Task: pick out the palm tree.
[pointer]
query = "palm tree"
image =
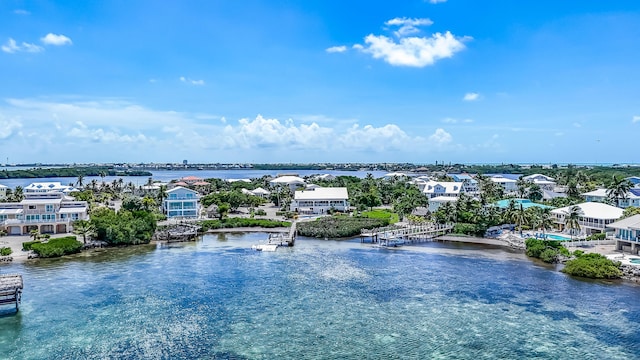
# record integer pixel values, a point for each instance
(162, 194)
(35, 233)
(94, 185)
(543, 219)
(84, 228)
(618, 189)
(18, 194)
(572, 219)
(535, 193)
(523, 186)
(520, 218)
(80, 180)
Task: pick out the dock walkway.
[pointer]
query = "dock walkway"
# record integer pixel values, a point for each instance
(11, 286)
(393, 236)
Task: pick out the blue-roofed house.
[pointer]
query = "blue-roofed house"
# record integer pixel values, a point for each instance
(635, 181)
(182, 203)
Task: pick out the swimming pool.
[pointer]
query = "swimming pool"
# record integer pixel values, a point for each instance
(557, 237)
(634, 260)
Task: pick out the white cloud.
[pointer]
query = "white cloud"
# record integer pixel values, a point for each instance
(408, 26)
(413, 51)
(336, 49)
(559, 133)
(577, 124)
(55, 40)
(456, 121)
(635, 119)
(437, 1)
(191, 81)
(8, 127)
(471, 96)
(11, 47)
(21, 12)
(440, 137)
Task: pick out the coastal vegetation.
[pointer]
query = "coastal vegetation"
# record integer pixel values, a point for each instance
(593, 266)
(548, 251)
(339, 226)
(56, 247)
(5, 251)
(69, 172)
(228, 223)
(125, 227)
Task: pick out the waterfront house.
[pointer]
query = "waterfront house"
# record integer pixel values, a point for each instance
(191, 180)
(3, 192)
(508, 182)
(320, 200)
(433, 189)
(545, 182)
(627, 234)
(469, 184)
(49, 213)
(45, 187)
(436, 202)
(635, 181)
(293, 182)
(595, 217)
(632, 197)
(182, 203)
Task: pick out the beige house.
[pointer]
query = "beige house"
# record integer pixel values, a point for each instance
(49, 213)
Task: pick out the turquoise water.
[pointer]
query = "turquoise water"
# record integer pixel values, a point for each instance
(215, 299)
(634, 260)
(557, 237)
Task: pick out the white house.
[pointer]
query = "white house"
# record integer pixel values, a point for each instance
(600, 195)
(595, 217)
(436, 202)
(320, 200)
(3, 192)
(508, 185)
(45, 187)
(49, 213)
(434, 189)
(324, 177)
(182, 203)
(627, 233)
(545, 182)
(289, 180)
(468, 182)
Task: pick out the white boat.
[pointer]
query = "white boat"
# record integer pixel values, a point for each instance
(264, 247)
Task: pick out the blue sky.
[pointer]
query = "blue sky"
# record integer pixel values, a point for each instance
(320, 81)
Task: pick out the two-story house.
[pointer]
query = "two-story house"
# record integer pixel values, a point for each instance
(632, 198)
(627, 234)
(182, 203)
(320, 200)
(49, 213)
(594, 217)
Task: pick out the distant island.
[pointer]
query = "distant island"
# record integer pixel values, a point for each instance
(70, 171)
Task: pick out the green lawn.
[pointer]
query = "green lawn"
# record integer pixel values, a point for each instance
(382, 214)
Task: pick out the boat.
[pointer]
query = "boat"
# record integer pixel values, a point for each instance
(265, 247)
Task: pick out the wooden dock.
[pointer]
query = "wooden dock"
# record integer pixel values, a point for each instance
(11, 290)
(394, 236)
(276, 240)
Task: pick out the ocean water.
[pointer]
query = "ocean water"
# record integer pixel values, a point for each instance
(217, 299)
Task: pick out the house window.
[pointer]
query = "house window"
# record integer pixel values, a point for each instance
(48, 208)
(3, 217)
(32, 207)
(74, 216)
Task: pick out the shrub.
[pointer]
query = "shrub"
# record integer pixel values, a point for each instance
(549, 255)
(464, 228)
(338, 226)
(26, 246)
(593, 266)
(5, 251)
(57, 247)
(260, 212)
(578, 253)
(545, 250)
(598, 236)
(229, 223)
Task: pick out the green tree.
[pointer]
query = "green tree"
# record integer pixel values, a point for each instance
(80, 181)
(572, 189)
(18, 194)
(84, 228)
(535, 193)
(35, 234)
(618, 189)
(572, 219)
(148, 203)
(630, 211)
(520, 218)
(223, 210)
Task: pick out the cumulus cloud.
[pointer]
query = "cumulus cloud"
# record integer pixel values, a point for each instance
(635, 119)
(440, 137)
(413, 51)
(336, 49)
(407, 26)
(55, 39)
(191, 81)
(104, 136)
(11, 47)
(8, 127)
(577, 124)
(21, 12)
(437, 1)
(472, 96)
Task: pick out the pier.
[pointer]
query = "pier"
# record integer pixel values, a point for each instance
(394, 236)
(11, 290)
(178, 232)
(276, 240)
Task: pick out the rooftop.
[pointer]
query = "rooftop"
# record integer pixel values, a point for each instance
(339, 193)
(594, 210)
(632, 222)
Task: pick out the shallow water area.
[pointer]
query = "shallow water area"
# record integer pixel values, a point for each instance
(217, 298)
